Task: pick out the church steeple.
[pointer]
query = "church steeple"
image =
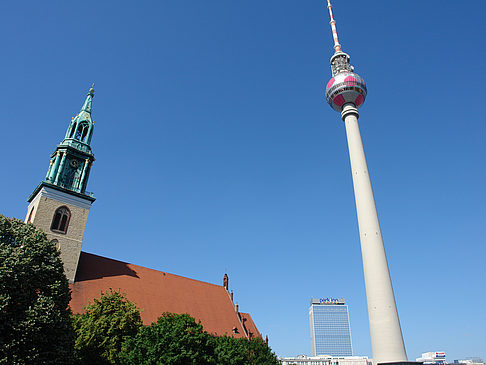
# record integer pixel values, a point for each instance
(60, 204)
(71, 162)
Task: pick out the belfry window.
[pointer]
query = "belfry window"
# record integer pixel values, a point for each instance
(82, 132)
(60, 221)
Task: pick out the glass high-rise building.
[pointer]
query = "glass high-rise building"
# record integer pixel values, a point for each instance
(330, 331)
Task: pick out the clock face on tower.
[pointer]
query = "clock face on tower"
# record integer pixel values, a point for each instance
(71, 174)
(74, 163)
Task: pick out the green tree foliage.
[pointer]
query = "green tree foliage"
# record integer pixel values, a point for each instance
(259, 353)
(175, 339)
(35, 322)
(111, 332)
(240, 351)
(106, 324)
(230, 351)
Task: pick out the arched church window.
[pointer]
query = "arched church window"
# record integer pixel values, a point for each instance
(60, 221)
(82, 132)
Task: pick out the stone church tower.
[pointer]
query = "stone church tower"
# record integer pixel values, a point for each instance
(60, 204)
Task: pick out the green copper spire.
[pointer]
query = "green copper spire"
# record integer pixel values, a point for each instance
(71, 162)
(81, 127)
(89, 99)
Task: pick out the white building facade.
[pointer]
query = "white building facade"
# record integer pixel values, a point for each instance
(433, 357)
(325, 360)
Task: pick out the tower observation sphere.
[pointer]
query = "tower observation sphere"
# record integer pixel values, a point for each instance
(345, 86)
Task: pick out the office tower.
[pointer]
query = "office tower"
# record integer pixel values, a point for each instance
(330, 332)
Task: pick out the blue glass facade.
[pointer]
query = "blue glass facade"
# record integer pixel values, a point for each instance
(330, 332)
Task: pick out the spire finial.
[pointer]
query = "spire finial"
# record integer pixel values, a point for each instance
(337, 46)
(226, 281)
(91, 90)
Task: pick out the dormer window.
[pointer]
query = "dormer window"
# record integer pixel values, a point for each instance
(60, 221)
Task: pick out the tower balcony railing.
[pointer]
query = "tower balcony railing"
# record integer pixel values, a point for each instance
(70, 187)
(71, 142)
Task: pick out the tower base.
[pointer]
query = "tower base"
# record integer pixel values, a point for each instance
(45, 202)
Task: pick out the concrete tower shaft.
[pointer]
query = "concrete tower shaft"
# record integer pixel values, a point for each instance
(345, 92)
(386, 334)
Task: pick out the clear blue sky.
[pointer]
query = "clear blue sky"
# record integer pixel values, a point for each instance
(216, 150)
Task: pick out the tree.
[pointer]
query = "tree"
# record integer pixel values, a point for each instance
(230, 351)
(259, 353)
(240, 351)
(35, 322)
(106, 324)
(175, 339)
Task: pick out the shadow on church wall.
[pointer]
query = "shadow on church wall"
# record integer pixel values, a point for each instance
(93, 267)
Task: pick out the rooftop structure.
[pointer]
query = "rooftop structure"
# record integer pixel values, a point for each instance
(433, 357)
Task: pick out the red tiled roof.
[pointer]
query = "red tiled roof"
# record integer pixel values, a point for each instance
(156, 292)
(249, 325)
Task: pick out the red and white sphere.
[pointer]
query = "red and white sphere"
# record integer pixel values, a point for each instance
(345, 87)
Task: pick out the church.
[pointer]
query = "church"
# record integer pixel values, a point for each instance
(59, 206)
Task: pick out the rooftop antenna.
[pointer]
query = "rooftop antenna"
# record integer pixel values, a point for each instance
(337, 46)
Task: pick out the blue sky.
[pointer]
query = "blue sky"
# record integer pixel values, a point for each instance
(216, 150)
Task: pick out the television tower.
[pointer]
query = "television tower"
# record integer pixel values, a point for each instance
(345, 93)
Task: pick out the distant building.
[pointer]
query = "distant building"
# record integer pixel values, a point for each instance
(470, 361)
(433, 357)
(330, 331)
(325, 360)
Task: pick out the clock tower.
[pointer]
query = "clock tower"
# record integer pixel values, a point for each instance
(60, 204)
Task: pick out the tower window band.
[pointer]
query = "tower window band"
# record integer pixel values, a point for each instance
(60, 221)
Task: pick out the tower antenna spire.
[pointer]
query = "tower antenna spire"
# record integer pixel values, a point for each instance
(337, 46)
